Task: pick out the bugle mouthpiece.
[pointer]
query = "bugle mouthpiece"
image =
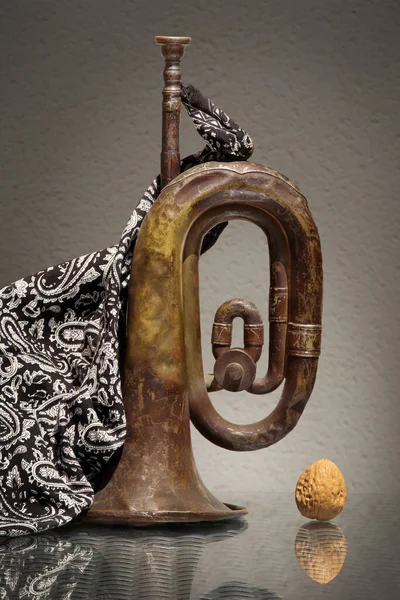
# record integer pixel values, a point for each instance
(166, 40)
(172, 50)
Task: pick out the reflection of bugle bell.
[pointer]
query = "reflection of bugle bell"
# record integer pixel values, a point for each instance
(164, 384)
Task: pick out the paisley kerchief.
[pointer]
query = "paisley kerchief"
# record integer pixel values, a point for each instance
(62, 334)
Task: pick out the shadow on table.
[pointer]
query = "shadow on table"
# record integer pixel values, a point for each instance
(238, 590)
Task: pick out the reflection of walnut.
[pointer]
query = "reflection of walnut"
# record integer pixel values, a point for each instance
(321, 550)
(321, 491)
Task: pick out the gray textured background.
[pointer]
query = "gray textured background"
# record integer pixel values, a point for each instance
(316, 84)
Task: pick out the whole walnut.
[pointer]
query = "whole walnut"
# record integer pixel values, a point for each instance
(321, 491)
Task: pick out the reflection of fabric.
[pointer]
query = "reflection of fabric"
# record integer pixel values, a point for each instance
(104, 563)
(61, 340)
(42, 567)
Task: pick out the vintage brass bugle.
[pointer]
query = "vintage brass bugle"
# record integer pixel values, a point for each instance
(164, 386)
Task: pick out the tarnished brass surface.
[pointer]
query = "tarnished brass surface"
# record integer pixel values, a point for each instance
(235, 368)
(156, 478)
(164, 386)
(262, 196)
(172, 50)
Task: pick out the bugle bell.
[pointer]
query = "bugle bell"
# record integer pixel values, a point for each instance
(156, 479)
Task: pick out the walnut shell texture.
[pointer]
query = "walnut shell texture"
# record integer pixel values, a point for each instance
(321, 491)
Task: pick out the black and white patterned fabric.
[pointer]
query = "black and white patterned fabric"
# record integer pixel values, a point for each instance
(61, 345)
(47, 566)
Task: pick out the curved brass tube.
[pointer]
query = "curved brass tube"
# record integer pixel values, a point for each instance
(156, 478)
(263, 197)
(278, 309)
(166, 301)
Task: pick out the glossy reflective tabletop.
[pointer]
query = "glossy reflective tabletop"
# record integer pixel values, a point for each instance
(272, 553)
